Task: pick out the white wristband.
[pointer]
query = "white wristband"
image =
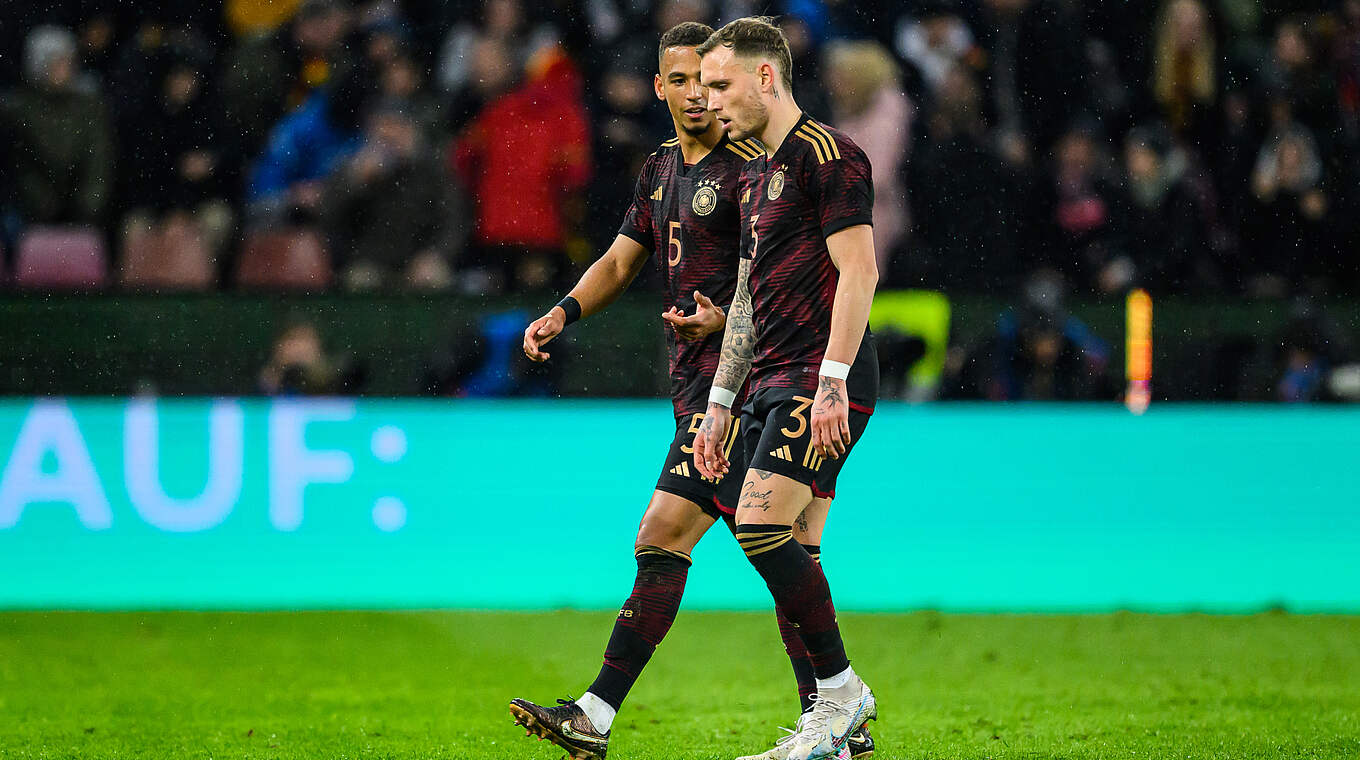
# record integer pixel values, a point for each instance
(721, 397)
(838, 370)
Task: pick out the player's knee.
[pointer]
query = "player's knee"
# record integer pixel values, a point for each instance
(663, 532)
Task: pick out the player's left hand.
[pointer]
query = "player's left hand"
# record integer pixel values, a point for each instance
(541, 331)
(707, 319)
(831, 418)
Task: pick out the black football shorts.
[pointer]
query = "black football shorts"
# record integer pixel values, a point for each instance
(777, 437)
(679, 476)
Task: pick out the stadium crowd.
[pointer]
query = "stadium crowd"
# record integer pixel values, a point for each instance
(1185, 146)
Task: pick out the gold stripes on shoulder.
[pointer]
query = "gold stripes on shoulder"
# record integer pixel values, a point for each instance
(820, 140)
(747, 149)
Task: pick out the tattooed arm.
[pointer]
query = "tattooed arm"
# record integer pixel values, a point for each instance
(738, 349)
(739, 340)
(852, 251)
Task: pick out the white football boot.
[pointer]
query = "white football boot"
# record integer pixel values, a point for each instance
(824, 731)
(782, 745)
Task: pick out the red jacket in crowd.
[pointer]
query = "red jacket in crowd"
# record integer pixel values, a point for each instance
(524, 154)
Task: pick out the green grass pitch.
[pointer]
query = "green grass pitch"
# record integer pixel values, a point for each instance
(435, 685)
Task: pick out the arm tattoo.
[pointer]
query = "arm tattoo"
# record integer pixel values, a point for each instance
(833, 398)
(802, 521)
(739, 341)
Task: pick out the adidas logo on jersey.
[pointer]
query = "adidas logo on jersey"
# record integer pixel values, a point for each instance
(656, 196)
(783, 452)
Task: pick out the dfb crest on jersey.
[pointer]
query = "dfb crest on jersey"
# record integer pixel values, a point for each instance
(776, 187)
(705, 198)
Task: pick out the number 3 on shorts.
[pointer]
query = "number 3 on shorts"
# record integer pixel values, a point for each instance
(798, 414)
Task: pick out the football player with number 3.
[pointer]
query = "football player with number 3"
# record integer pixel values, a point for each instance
(799, 324)
(685, 212)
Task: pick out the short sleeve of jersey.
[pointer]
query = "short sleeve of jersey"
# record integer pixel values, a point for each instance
(637, 223)
(842, 190)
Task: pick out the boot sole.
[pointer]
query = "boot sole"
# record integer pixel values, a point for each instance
(532, 726)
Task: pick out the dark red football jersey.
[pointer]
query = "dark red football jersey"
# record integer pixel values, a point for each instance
(688, 215)
(815, 185)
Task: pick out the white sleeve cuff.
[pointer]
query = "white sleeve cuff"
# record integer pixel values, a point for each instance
(838, 370)
(721, 397)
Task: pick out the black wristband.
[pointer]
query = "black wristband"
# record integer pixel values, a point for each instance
(572, 307)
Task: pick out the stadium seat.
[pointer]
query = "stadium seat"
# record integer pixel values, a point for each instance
(284, 259)
(166, 260)
(61, 258)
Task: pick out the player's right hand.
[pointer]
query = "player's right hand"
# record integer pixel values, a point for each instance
(541, 331)
(708, 442)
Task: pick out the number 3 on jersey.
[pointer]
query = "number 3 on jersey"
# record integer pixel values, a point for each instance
(755, 237)
(675, 253)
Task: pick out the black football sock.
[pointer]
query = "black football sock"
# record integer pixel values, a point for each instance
(643, 621)
(800, 591)
(797, 651)
(799, 659)
(788, 632)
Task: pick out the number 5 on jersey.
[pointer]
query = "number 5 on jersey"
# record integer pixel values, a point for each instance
(674, 244)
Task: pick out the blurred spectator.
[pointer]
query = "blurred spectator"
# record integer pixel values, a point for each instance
(401, 78)
(1083, 204)
(967, 205)
(1171, 224)
(1233, 157)
(1288, 226)
(298, 365)
(627, 125)
(180, 184)
(934, 40)
(803, 46)
(266, 77)
(1038, 353)
(1033, 76)
(286, 181)
(524, 159)
(462, 70)
(98, 36)
(1185, 75)
(58, 134)
(1298, 80)
(1308, 348)
(391, 215)
(868, 104)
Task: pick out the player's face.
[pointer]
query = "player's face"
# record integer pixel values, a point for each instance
(734, 93)
(678, 85)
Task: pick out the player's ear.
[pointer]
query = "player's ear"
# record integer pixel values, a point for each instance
(656, 87)
(766, 72)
